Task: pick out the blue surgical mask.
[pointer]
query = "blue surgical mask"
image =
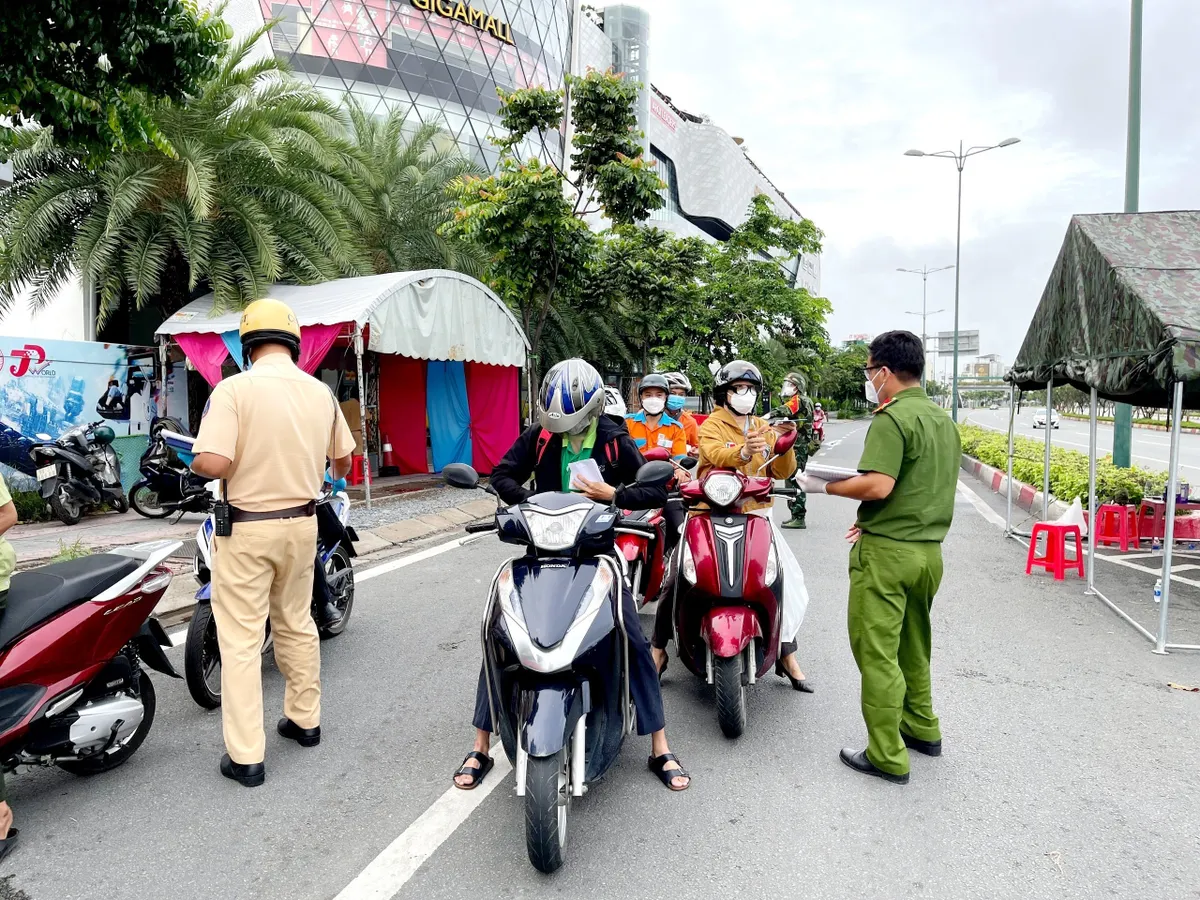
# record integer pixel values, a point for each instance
(676, 403)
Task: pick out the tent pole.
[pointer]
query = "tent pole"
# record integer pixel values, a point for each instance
(1046, 468)
(1160, 642)
(162, 375)
(1012, 412)
(362, 412)
(1092, 521)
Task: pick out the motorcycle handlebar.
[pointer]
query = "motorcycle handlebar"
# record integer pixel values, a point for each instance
(785, 492)
(480, 527)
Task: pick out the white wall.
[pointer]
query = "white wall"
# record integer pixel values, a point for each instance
(65, 318)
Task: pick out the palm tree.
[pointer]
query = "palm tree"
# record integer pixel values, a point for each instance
(407, 172)
(252, 182)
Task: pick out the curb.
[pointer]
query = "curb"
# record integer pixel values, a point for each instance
(1185, 429)
(1026, 496)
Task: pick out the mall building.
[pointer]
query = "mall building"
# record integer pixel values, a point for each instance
(443, 61)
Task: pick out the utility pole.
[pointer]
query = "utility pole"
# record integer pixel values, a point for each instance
(1123, 412)
(924, 272)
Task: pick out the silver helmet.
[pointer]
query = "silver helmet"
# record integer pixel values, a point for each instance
(679, 380)
(614, 403)
(572, 396)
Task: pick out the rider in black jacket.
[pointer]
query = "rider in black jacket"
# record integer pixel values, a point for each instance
(572, 405)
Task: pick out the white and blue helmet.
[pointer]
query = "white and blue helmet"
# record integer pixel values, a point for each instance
(572, 396)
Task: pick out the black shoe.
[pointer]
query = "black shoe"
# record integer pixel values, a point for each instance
(328, 615)
(9, 843)
(305, 737)
(857, 760)
(929, 748)
(248, 775)
(798, 684)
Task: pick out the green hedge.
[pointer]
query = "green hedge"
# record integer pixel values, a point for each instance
(1068, 468)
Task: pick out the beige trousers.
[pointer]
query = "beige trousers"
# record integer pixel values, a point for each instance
(265, 567)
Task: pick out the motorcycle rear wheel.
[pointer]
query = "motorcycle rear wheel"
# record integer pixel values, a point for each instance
(202, 658)
(104, 762)
(66, 508)
(547, 800)
(144, 500)
(344, 599)
(731, 695)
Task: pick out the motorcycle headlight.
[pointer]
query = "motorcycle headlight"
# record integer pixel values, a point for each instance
(722, 488)
(772, 569)
(556, 531)
(688, 565)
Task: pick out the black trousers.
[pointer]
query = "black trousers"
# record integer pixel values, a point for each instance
(643, 678)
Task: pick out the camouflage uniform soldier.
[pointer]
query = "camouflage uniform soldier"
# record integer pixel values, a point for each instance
(800, 406)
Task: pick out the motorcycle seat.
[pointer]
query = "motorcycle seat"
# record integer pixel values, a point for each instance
(42, 593)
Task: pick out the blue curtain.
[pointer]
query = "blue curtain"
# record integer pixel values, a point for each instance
(449, 413)
(233, 343)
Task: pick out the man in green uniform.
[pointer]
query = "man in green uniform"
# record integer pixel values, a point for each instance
(909, 473)
(800, 407)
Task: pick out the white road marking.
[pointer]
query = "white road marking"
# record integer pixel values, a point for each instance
(390, 870)
(980, 506)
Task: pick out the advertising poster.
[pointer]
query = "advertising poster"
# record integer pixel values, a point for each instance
(47, 387)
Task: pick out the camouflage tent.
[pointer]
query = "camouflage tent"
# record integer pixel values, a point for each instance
(1121, 311)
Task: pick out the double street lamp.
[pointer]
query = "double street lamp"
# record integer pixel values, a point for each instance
(924, 272)
(960, 158)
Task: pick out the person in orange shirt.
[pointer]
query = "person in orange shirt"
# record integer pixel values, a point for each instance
(680, 388)
(651, 427)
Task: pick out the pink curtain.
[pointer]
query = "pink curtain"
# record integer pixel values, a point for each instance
(207, 353)
(315, 341)
(495, 416)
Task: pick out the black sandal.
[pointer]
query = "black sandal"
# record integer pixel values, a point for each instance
(665, 775)
(663, 670)
(477, 774)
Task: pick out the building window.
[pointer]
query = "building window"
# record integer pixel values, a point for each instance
(665, 169)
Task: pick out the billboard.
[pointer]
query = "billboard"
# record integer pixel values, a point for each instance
(968, 343)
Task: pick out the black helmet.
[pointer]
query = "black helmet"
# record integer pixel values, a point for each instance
(654, 381)
(738, 370)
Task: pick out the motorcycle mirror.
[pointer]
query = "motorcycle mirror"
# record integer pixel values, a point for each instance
(785, 442)
(656, 473)
(689, 463)
(460, 475)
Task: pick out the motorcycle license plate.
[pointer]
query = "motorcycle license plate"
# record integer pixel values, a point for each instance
(45, 473)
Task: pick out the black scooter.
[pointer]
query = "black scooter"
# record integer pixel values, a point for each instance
(79, 471)
(555, 651)
(168, 485)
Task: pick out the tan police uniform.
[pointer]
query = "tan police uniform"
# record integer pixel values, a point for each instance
(278, 425)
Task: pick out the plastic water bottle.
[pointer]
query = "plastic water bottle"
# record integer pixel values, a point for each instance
(1158, 591)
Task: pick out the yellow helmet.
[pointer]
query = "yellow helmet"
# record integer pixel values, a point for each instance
(270, 321)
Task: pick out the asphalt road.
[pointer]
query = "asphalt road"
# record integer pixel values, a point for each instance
(1150, 449)
(1069, 770)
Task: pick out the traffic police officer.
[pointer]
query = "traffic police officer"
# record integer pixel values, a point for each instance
(909, 474)
(267, 433)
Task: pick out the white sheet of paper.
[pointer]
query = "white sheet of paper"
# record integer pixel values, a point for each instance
(829, 473)
(585, 468)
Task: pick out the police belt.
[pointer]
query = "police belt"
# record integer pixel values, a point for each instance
(292, 512)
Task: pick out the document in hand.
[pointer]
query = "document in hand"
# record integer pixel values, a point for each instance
(829, 473)
(584, 468)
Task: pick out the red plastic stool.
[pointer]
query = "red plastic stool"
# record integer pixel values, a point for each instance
(1116, 524)
(1055, 560)
(356, 470)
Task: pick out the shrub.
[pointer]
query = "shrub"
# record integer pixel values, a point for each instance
(1068, 468)
(30, 507)
(67, 552)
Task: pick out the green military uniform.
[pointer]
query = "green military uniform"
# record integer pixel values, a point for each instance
(804, 423)
(896, 568)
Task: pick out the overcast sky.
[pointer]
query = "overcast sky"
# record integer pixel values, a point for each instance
(829, 95)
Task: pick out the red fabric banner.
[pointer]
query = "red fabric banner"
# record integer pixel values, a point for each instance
(315, 341)
(492, 396)
(207, 353)
(402, 411)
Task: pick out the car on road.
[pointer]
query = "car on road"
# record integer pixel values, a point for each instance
(993, 406)
(1039, 421)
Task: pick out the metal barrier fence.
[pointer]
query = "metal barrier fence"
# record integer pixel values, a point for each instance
(129, 451)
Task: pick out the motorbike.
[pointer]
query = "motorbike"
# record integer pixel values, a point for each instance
(168, 485)
(819, 425)
(642, 538)
(335, 549)
(555, 651)
(729, 592)
(74, 643)
(79, 471)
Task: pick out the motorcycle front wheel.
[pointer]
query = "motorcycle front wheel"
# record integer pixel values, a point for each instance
(103, 762)
(202, 658)
(547, 800)
(731, 695)
(144, 500)
(66, 508)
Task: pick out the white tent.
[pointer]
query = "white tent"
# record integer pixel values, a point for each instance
(434, 314)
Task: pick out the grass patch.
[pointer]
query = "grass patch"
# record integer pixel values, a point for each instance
(67, 552)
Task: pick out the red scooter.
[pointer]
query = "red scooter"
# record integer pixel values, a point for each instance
(641, 539)
(819, 425)
(729, 592)
(73, 641)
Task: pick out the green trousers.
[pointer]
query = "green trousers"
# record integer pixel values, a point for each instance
(892, 584)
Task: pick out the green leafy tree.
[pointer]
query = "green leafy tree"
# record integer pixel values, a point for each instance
(261, 188)
(842, 376)
(91, 71)
(529, 216)
(408, 174)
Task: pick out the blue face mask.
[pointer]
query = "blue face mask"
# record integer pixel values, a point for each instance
(676, 403)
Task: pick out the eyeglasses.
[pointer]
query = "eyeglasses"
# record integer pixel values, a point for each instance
(867, 370)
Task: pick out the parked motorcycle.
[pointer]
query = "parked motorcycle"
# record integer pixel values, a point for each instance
(555, 651)
(73, 643)
(642, 538)
(168, 484)
(729, 593)
(79, 471)
(335, 549)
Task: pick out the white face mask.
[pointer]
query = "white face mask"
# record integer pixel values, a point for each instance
(872, 392)
(581, 428)
(653, 405)
(743, 404)
(789, 390)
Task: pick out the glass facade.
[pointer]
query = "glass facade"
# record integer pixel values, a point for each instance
(437, 60)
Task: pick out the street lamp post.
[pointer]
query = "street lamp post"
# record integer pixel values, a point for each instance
(925, 272)
(960, 159)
